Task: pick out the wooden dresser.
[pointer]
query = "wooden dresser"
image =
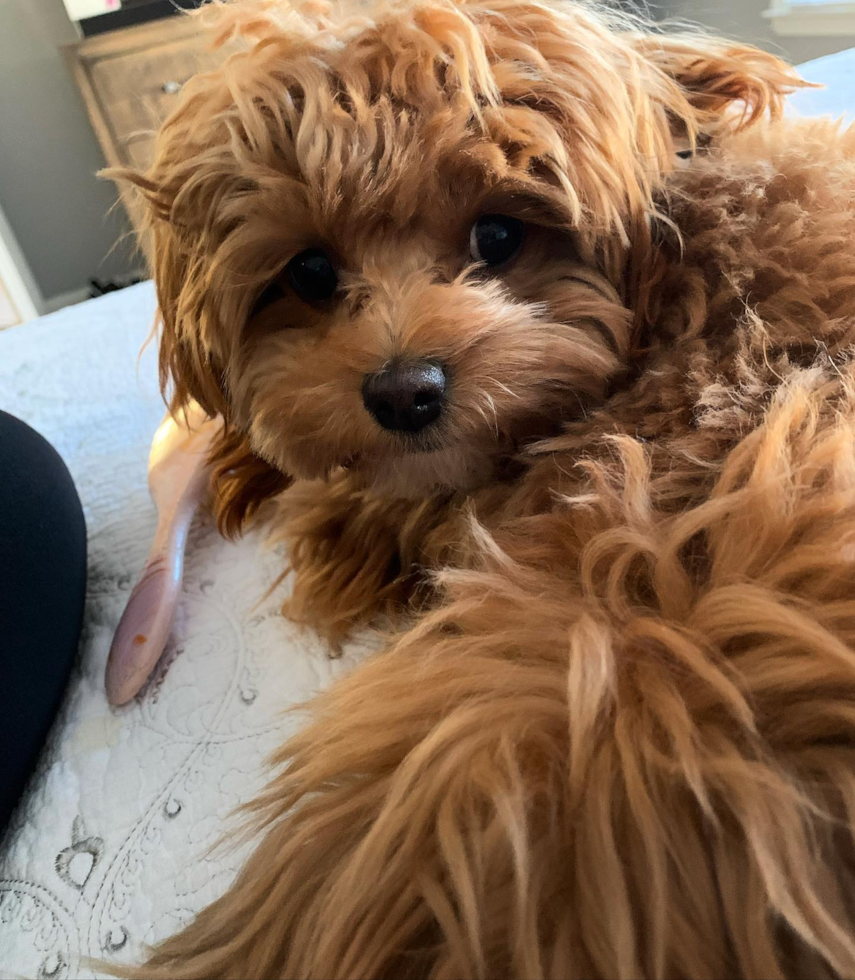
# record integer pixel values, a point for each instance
(130, 79)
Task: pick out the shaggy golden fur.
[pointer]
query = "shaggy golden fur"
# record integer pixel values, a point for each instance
(615, 735)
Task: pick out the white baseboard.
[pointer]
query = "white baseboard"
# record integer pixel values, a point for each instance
(74, 296)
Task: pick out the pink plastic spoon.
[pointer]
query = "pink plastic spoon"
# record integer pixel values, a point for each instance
(177, 479)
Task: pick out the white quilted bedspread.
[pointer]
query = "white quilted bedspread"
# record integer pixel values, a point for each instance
(108, 851)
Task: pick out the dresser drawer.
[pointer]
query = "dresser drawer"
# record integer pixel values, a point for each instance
(130, 81)
(138, 90)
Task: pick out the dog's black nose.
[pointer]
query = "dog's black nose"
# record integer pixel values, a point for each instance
(406, 396)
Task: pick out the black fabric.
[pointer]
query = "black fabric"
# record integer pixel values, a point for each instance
(42, 589)
(140, 12)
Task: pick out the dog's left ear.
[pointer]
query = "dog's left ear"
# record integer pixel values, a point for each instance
(716, 87)
(727, 85)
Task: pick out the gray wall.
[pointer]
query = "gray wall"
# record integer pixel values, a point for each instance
(743, 19)
(48, 156)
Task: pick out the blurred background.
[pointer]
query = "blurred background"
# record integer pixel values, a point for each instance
(83, 82)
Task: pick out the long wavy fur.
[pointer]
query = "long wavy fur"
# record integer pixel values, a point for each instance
(616, 735)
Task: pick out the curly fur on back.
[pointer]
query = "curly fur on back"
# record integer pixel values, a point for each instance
(618, 740)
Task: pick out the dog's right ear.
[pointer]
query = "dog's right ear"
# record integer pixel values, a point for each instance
(188, 367)
(180, 202)
(190, 202)
(189, 370)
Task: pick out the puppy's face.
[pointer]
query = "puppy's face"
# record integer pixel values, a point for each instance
(420, 349)
(410, 245)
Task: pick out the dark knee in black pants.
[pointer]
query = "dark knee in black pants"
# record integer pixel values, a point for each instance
(42, 591)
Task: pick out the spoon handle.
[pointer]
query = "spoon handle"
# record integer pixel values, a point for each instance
(147, 620)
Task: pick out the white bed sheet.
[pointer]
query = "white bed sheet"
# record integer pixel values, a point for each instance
(836, 72)
(108, 851)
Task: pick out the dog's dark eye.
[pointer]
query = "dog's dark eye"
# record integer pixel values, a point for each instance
(495, 238)
(312, 275)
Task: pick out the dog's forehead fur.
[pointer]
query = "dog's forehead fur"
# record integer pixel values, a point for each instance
(334, 119)
(382, 118)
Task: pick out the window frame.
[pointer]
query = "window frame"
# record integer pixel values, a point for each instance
(832, 19)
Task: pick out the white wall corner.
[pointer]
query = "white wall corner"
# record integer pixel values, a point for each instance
(17, 278)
